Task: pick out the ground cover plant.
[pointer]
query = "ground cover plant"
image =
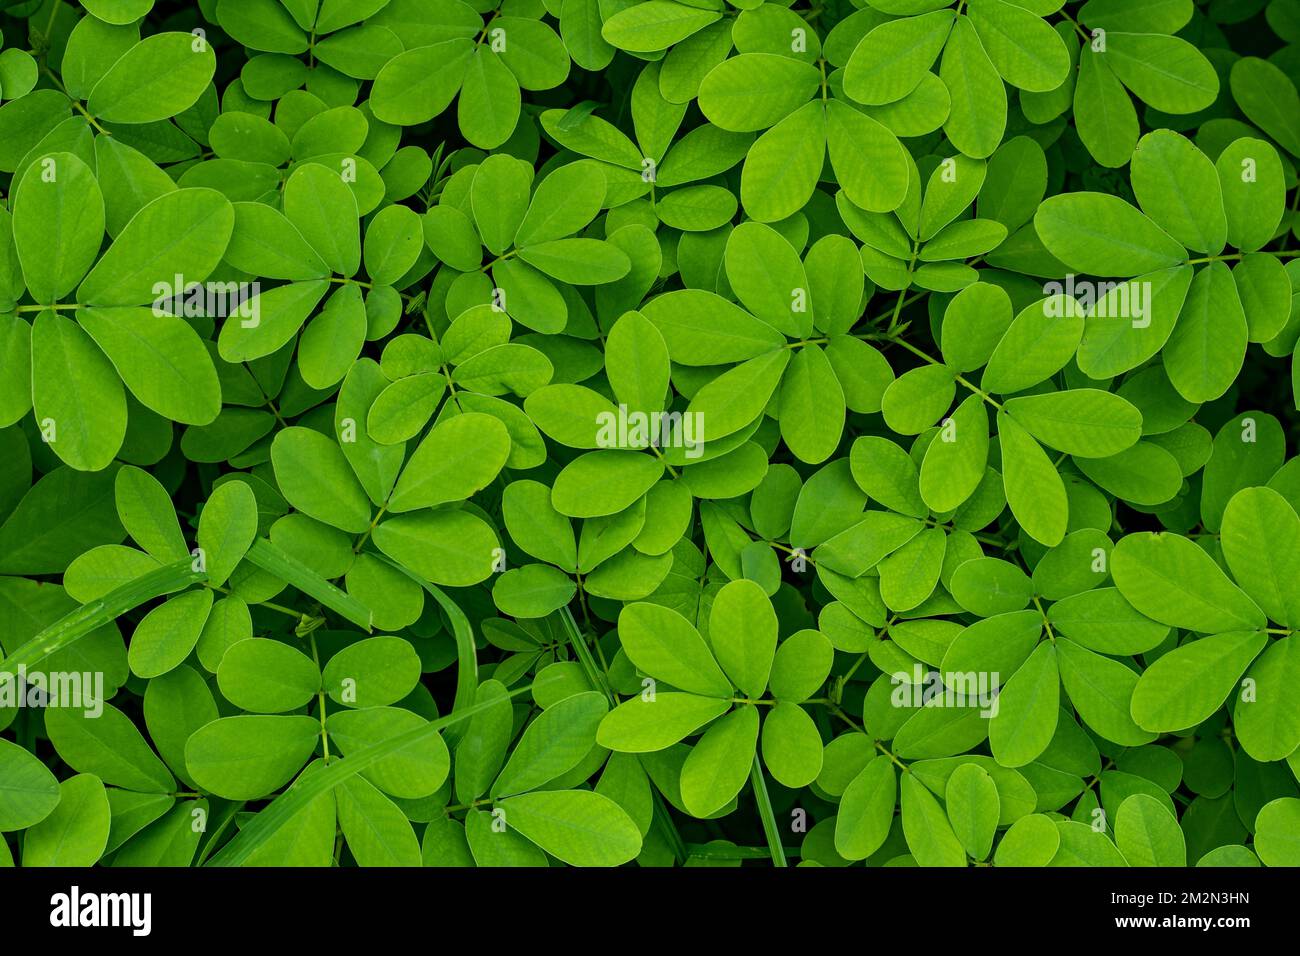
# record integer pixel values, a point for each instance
(578, 432)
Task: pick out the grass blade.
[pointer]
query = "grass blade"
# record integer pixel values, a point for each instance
(288, 568)
(583, 652)
(88, 618)
(765, 811)
(466, 651)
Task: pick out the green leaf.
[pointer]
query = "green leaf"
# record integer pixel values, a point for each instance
(955, 461)
(1081, 845)
(1254, 197)
(58, 224)
(315, 478)
(801, 665)
(1148, 834)
(738, 396)
(753, 91)
(160, 358)
(1145, 474)
(30, 792)
(415, 86)
(978, 117)
(536, 526)
(867, 158)
(916, 399)
(166, 635)
(263, 25)
(654, 25)
(264, 242)
(1026, 51)
(926, 828)
(792, 745)
(76, 833)
(603, 483)
(553, 744)
(157, 78)
(376, 831)
(489, 105)
(534, 590)
(393, 242)
(564, 202)
(147, 514)
(1101, 690)
(250, 757)
(892, 59)
(766, 275)
(227, 527)
(1038, 343)
(718, 765)
(459, 457)
(1103, 112)
(1189, 683)
(782, 167)
(640, 725)
(1166, 72)
(665, 645)
(578, 261)
(267, 677)
(1104, 235)
(321, 206)
(276, 315)
(1266, 721)
(866, 810)
(1171, 580)
(886, 473)
(481, 749)
(451, 548)
(109, 746)
(1275, 832)
(499, 199)
(1084, 422)
(973, 809)
(1178, 187)
(579, 827)
(1116, 338)
(1208, 345)
(1034, 490)
(1267, 96)
(1260, 534)
(742, 632)
(373, 672)
(181, 233)
(1031, 841)
(973, 323)
(702, 328)
(1028, 706)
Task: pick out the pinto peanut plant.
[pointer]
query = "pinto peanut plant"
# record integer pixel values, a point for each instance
(672, 432)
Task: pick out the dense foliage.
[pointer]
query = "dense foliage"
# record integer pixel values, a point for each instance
(524, 432)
